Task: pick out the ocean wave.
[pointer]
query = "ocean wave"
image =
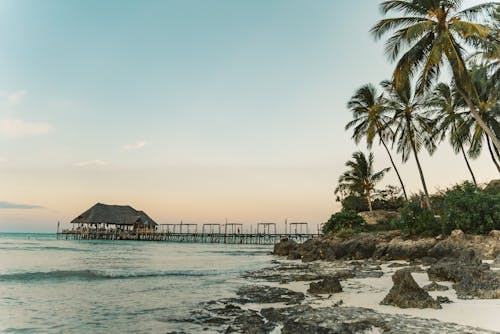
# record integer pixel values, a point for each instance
(90, 275)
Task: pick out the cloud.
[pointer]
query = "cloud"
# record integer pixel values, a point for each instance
(91, 163)
(14, 97)
(17, 128)
(136, 146)
(9, 205)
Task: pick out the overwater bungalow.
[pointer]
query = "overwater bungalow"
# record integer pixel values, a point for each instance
(115, 219)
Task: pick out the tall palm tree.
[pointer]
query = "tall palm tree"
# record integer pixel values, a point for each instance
(413, 129)
(371, 120)
(488, 89)
(435, 31)
(450, 120)
(360, 179)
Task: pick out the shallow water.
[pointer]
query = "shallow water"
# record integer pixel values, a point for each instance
(70, 286)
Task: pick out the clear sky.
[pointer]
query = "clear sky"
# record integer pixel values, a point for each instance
(191, 109)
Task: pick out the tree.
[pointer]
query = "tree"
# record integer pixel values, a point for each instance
(413, 129)
(488, 93)
(371, 120)
(360, 179)
(435, 31)
(450, 120)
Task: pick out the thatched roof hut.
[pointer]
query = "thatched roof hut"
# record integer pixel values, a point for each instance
(114, 215)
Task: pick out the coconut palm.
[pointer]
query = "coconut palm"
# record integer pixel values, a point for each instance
(360, 179)
(371, 120)
(450, 119)
(488, 89)
(432, 32)
(412, 128)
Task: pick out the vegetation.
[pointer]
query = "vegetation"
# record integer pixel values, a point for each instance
(359, 179)
(344, 220)
(427, 36)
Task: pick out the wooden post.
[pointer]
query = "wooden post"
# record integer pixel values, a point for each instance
(58, 223)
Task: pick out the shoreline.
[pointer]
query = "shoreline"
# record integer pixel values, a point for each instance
(276, 300)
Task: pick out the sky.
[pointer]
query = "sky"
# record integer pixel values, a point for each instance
(190, 110)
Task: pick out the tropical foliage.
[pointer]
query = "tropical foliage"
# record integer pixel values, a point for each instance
(360, 179)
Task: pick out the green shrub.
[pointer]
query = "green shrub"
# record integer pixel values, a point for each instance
(470, 209)
(344, 220)
(354, 203)
(414, 219)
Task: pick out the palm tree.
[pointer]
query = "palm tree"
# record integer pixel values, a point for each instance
(488, 89)
(371, 120)
(450, 120)
(360, 179)
(412, 127)
(434, 31)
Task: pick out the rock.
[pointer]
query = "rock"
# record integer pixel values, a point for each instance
(375, 216)
(407, 294)
(253, 324)
(494, 234)
(266, 294)
(284, 247)
(399, 249)
(294, 255)
(443, 300)
(472, 278)
(435, 287)
(328, 285)
(457, 234)
(397, 265)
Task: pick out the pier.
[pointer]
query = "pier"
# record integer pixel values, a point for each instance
(183, 237)
(118, 222)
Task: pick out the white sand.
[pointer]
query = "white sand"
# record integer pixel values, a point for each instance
(368, 292)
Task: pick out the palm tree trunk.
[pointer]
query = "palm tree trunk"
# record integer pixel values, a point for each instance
(479, 120)
(491, 153)
(395, 169)
(369, 199)
(414, 148)
(468, 165)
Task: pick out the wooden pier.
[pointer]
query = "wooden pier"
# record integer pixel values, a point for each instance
(122, 222)
(186, 237)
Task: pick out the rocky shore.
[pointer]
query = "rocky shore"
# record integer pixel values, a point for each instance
(368, 283)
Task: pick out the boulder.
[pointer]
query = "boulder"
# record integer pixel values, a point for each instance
(407, 294)
(435, 287)
(472, 278)
(284, 247)
(399, 249)
(328, 285)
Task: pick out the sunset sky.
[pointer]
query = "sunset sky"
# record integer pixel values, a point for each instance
(192, 109)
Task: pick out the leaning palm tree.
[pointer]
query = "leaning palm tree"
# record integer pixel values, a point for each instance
(488, 89)
(450, 120)
(413, 129)
(360, 179)
(371, 120)
(432, 32)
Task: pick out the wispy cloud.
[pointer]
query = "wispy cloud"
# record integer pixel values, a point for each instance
(91, 163)
(16, 128)
(135, 146)
(13, 97)
(9, 205)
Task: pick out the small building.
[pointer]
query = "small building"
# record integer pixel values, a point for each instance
(104, 217)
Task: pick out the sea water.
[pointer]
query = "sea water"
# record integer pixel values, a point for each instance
(81, 286)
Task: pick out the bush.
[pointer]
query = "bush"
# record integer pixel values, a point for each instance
(344, 220)
(470, 209)
(414, 219)
(354, 203)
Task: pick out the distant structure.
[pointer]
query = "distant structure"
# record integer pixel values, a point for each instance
(122, 222)
(103, 217)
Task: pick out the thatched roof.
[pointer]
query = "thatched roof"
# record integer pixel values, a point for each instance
(113, 214)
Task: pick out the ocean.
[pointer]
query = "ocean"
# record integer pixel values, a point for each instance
(73, 286)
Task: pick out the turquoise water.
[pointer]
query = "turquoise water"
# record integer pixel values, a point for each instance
(69, 286)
